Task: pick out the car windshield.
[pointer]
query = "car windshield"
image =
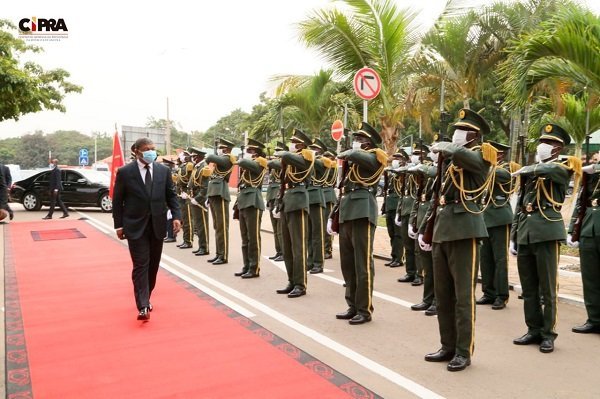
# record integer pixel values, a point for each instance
(95, 176)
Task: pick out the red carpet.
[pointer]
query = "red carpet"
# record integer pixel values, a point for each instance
(71, 332)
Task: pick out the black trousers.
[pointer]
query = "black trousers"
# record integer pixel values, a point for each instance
(145, 254)
(54, 200)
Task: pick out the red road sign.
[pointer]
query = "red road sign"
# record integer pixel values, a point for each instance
(367, 83)
(337, 130)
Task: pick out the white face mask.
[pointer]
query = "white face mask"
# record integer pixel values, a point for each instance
(181, 157)
(247, 155)
(544, 151)
(219, 151)
(292, 147)
(395, 164)
(459, 137)
(356, 145)
(415, 159)
(433, 156)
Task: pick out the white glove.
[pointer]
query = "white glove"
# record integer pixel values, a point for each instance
(329, 230)
(570, 242)
(184, 195)
(398, 221)
(589, 169)
(411, 233)
(513, 248)
(194, 202)
(517, 173)
(276, 214)
(206, 203)
(423, 245)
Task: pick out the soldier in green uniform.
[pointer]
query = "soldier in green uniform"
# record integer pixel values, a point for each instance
(250, 204)
(171, 236)
(392, 194)
(183, 178)
(358, 221)
(587, 217)
(274, 167)
(537, 231)
(198, 190)
(297, 165)
(329, 193)
(498, 216)
(316, 213)
(424, 260)
(457, 226)
(219, 198)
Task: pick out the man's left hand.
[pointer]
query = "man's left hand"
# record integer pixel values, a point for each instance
(176, 226)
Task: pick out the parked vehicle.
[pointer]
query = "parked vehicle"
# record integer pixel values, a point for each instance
(81, 188)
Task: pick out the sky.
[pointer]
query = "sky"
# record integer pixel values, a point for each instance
(208, 58)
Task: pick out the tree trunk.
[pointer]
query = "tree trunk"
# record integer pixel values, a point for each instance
(389, 136)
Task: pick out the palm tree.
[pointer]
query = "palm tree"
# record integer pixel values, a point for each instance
(372, 33)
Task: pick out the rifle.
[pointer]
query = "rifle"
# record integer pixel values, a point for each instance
(420, 186)
(335, 213)
(279, 200)
(583, 201)
(386, 179)
(437, 187)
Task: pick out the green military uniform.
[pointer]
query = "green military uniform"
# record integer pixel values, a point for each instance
(457, 228)
(394, 184)
(293, 210)
(317, 216)
(198, 190)
(537, 230)
(330, 198)
(498, 216)
(588, 205)
(274, 167)
(417, 218)
(251, 206)
(358, 221)
(405, 205)
(219, 198)
(183, 178)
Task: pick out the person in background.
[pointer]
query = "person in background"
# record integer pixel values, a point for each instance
(171, 237)
(56, 188)
(8, 183)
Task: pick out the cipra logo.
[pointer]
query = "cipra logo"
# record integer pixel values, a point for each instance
(43, 29)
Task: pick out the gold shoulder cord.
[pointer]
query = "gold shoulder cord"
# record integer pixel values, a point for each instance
(323, 178)
(298, 177)
(549, 196)
(513, 186)
(413, 186)
(221, 174)
(397, 184)
(332, 175)
(247, 178)
(477, 193)
(355, 177)
(185, 177)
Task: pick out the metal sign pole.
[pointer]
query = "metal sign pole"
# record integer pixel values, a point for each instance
(365, 110)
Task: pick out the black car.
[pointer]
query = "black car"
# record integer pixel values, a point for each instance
(81, 188)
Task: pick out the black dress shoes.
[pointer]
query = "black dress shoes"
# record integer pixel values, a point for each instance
(150, 307)
(441, 355)
(274, 256)
(458, 363)
(201, 252)
(389, 263)
(485, 300)
(316, 270)
(239, 274)
(249, 275)
(297, 292)
(406, 279)
(347, 315)
(278, 259)
(211, 260)
(65, 215)
(547, 345)
(586, 328)
(286, 290)
(498, 304)
(328, 256)
(420, 306)
(169, 239)
(144, 314)
(178, 245)
(395, 264)
(47, 217)
(527, 339)
(417, 281)
(219, 261)
(185, 245)
(431, 311)
(359, 319)
(195, 251)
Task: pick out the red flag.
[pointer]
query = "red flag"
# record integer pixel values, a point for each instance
(117, 162)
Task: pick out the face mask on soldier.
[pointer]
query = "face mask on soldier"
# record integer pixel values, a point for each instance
(433, 156)
(219, 151)
(415, 159)
(395, 164)
(292, 147)
(247, 155)
(356, 145)
(459, 137)
(544, 151)
(181, 157)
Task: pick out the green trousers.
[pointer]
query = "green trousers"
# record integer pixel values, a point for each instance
(250, 219)
(219, 209)
(424, 262)
(395, 234)
(187, 227)
(276, 232)
(328, 238)
(316, 233)
(200, 223)
(454, 266)
(294, 240)
(409, 249)
(494, 263)
(538, 267)
(356, 258)
(589, 252)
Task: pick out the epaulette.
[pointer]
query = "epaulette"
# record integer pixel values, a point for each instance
(308, 155)
(232, 158)
(206, 171)
(575, 164)
(513, 167)
(489, 153)
(189, 167)
(328, 163)
(382, 156)
(261, 161)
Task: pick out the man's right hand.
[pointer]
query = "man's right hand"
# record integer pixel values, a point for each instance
(120, 234)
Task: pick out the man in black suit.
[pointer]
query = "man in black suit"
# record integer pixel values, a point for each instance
(7, 182)
(55, 190)
(143, 192)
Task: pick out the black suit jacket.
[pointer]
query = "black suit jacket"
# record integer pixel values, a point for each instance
(7, 175)
(133, 208)
(55, 180)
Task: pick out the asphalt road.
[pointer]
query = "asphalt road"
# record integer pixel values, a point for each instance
(386, 355)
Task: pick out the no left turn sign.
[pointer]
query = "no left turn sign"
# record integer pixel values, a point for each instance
(367, 83)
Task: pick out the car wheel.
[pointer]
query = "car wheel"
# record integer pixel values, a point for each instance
(32, 202)
(105, 203)
(379, 191)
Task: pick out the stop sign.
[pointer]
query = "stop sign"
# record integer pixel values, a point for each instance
(337, 130)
